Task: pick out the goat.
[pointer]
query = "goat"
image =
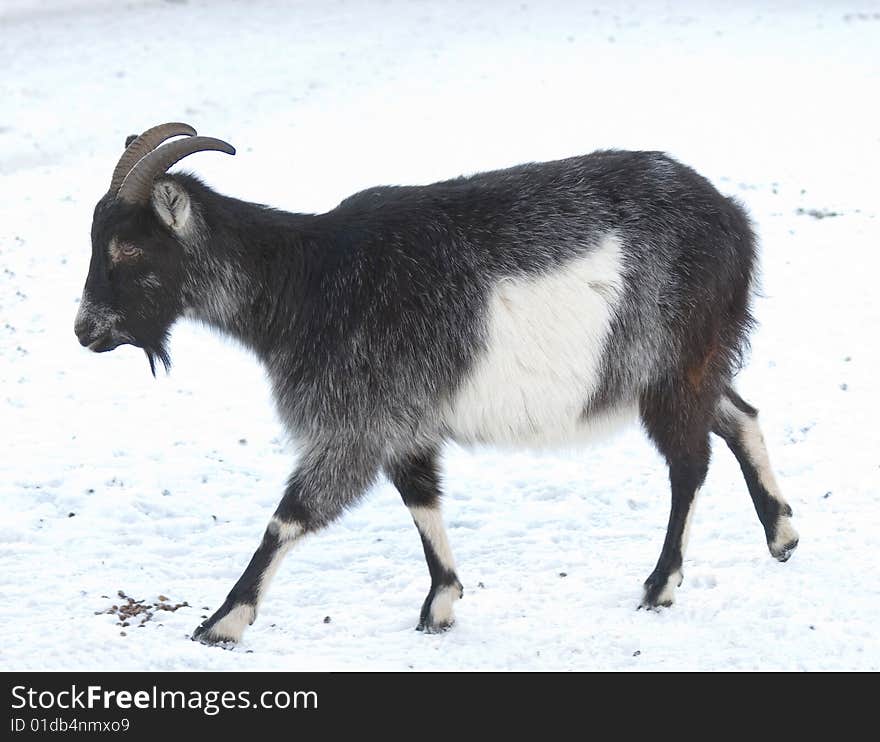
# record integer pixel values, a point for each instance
(530, 306)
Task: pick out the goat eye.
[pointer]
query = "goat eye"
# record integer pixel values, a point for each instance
(129, 251)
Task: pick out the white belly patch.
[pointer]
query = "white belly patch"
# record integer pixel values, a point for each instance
(546, 336)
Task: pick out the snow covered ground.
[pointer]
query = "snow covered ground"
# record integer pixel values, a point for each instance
(112, 481)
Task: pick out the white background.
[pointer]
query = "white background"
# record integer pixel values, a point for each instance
(172, 481)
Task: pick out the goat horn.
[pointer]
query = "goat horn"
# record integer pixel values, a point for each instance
(138, 184)
(144, 144)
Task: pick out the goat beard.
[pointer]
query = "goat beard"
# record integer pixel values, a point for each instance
(158, 352)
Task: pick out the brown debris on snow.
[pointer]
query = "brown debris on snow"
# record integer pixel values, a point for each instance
(138, 612)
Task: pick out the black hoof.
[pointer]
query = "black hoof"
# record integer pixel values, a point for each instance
(656, 594)
(434, 628)
(204, 635)
(654, 605)
(218, 630)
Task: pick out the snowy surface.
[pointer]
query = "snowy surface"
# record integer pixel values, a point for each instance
(111, 481)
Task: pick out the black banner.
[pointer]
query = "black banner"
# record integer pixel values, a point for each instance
(167, 705)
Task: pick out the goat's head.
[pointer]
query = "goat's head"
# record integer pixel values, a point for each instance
(140, 229)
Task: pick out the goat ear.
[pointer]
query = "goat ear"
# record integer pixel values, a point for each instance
(171, 204)
(129, 139)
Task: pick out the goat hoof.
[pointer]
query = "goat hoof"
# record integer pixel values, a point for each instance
(650, 604)
(659, 590)
(784, 540)
(226, 626)
(783, 553)
(437, 614)
(435, 628)
(205, 636)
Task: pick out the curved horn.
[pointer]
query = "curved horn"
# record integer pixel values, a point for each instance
(145, 143)
(138, 183)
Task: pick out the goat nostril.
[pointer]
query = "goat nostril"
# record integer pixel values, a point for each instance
(83, 333)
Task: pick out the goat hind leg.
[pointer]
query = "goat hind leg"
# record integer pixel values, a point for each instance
(681, 433)
(737, 423)
(686, 475)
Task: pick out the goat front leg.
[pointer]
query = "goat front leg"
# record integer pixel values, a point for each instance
(325, 484)
(416, 478)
